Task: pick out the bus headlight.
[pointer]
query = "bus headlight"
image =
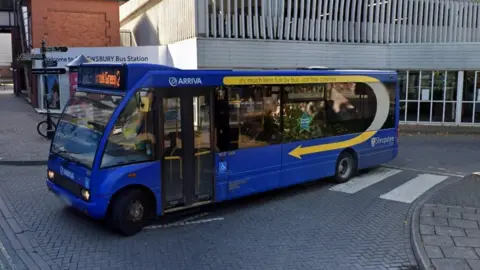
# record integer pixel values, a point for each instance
(50, 175)
(85, 194)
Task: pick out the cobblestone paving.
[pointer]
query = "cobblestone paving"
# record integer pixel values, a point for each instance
(18, 131)
(302, 228)
(451, 236)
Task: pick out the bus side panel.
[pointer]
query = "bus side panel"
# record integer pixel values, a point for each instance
(377, 150)
(253, 170)
(221, 180)
(146, 174)
(311, 165)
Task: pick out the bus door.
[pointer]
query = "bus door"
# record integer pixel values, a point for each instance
(187, 153)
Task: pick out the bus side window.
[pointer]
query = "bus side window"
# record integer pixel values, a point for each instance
(390, 122)
(304, 112)
(222, 127)
(253, 116)
(345, 108)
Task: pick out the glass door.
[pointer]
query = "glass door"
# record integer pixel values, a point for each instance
(187, 160)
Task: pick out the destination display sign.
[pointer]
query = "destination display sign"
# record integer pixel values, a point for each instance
(112, 77)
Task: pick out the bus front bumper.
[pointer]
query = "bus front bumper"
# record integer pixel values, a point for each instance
(95, 208)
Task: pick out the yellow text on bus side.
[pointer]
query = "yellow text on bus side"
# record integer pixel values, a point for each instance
(246, 80)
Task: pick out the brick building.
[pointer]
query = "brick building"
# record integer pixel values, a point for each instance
(71, 23)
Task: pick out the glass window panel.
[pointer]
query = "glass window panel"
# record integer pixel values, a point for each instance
(467, 112)
(450, 112)
(413, 77)
(438, 85)
(476, 112)
(468, 85)
(173, 149)
(425, 85)
(424, 111)
(437, 112)
(304, 111)
(203, 155)
(451, 91)
(254, 115)
(132, 138)
(412, 108)
(402, 111)
(348, 105)
(477, 87)
(402, 83)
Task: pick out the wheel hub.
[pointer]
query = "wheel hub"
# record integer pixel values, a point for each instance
(136, 211)
(343, 167)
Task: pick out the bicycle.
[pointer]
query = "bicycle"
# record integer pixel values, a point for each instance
(42, 127)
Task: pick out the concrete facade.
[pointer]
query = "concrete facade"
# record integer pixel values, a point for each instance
(433, 44)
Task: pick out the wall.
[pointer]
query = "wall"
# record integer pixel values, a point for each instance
(158, 22)
(86, 23)
(183, 54)
(228, 53)
(353, 21)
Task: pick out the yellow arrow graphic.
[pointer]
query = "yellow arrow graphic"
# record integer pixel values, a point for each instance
(301, 151)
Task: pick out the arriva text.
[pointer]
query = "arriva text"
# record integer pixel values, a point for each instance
(66, 173)
(173, 81)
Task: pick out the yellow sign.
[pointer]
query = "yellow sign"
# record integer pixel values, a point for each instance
(249, 80)
(301, 151)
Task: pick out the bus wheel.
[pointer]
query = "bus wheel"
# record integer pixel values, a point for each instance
(346, 167)
(130, 212)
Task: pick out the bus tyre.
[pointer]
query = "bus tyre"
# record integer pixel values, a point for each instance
(130, 212)
(346, 167)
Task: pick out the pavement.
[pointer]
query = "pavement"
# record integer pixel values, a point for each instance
(367, 223)
(446, 231)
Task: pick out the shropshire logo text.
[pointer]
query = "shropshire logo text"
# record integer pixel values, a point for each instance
(379, 141)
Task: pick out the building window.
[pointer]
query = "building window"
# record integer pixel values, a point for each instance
(425, 95)
(402, 84)
(438, 95)
(412, 95)
(450, 96)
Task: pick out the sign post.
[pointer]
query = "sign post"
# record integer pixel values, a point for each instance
(50, 131)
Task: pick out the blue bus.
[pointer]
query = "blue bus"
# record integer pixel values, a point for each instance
(138, 141)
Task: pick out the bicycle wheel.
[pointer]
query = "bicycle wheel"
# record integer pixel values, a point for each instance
(42, 128)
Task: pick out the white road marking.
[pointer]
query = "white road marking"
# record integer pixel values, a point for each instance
(360, 182)
(412, 189)
(183, 223)
(194, 217)
(424, 171)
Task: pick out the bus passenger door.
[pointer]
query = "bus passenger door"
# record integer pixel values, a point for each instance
(187, 160)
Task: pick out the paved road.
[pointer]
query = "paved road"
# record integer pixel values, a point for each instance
(361, 225)
(452, 154)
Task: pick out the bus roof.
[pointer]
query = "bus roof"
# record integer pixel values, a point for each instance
(126, 76)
